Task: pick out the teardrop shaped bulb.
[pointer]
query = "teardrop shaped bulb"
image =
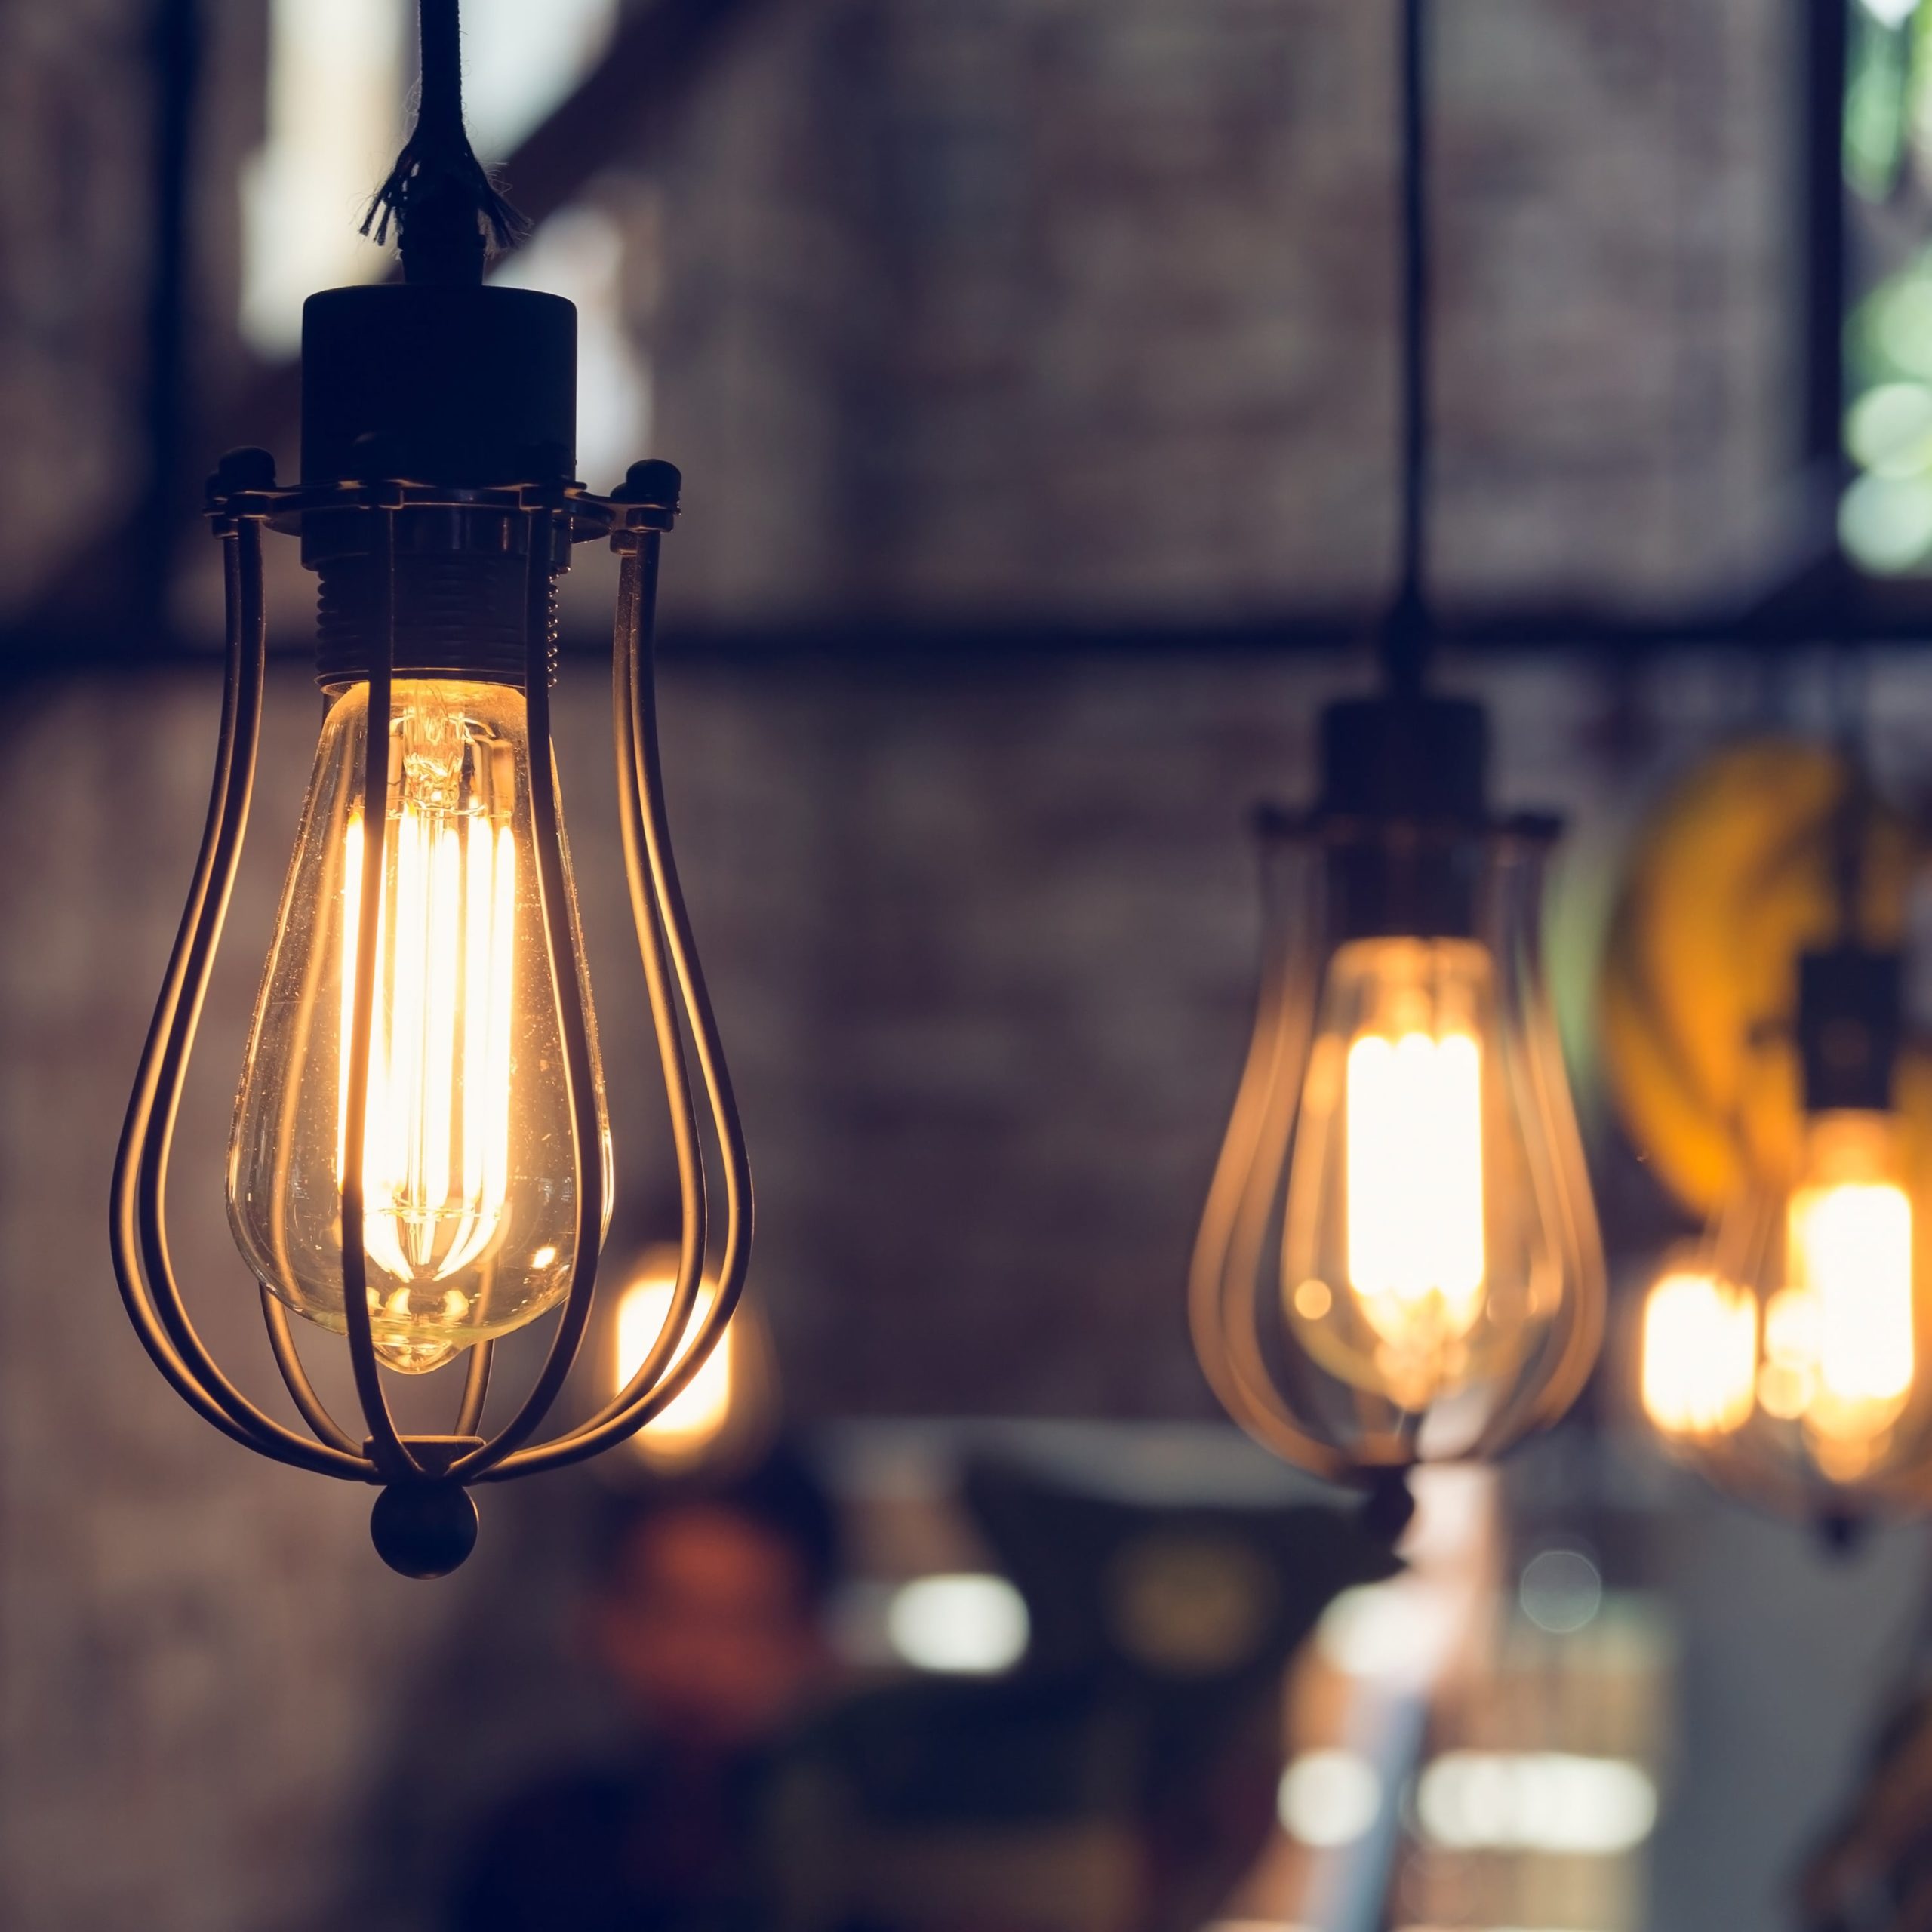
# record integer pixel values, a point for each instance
(469, 1207)
(1419, 1253)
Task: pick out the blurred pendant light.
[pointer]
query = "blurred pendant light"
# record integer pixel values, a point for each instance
(1697, 1355)
(1784, 1357)
(423, 1065)
(1398, 1261)
(727, 1414)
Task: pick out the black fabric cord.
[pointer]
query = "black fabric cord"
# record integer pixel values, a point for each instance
(447, 213)
(1407, 629)
(1856, 817)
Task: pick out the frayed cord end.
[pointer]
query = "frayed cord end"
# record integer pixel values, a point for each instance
(448, 214)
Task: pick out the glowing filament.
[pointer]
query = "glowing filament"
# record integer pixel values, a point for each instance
(435, 1163)
(1851, 1257)
(1700, 1354)
(1415, 1186)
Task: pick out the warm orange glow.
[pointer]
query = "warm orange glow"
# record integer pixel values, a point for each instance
(436, 1147)
(1415, 1251)
(1699, 1354)
(469, 1225)
(1845, 1320)
(691, 1422)
(1415, 1194)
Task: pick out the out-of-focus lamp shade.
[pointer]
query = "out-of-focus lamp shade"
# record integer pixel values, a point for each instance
(1698, 1353)
(1399, 1262)
(1787, 1361)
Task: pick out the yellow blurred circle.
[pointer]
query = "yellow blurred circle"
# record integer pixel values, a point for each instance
(1728, 880)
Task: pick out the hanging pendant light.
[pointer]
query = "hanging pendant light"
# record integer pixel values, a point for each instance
(1784, 1357)
(1398, 1261)
(422, 1067)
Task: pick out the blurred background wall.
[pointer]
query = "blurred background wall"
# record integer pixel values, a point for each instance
(1030, 365)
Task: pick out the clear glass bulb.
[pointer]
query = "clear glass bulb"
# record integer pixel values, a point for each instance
(1398, 1260)
(1418, 1251)
(1699, 1369)
(469, 1194)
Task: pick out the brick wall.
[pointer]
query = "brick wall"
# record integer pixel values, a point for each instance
(1043, 307)
(981, 941)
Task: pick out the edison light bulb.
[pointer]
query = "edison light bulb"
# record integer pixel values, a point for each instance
(1416, 1252)
(470, 1197)
(1398, 1260)
(1794, 1363)
(696, 1415)
(1699, 1354)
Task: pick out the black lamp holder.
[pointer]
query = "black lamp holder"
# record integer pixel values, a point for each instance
(1850, 1026)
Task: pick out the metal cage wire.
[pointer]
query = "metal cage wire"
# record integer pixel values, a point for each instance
(1233, 1257)
(243, 498)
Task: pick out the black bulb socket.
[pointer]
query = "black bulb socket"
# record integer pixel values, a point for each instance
(459, 389)
(1403, 805)
(1850, 1024)
(1421, 759)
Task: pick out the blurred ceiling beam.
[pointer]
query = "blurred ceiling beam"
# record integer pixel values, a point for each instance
(625, 109)
(1868, 613)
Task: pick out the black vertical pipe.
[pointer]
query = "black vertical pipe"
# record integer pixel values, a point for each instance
(174, 45)
(1827, 36)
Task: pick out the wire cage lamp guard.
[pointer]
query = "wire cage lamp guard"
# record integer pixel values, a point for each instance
(1401, 854)
(1238, 1235)
(425, 1521)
